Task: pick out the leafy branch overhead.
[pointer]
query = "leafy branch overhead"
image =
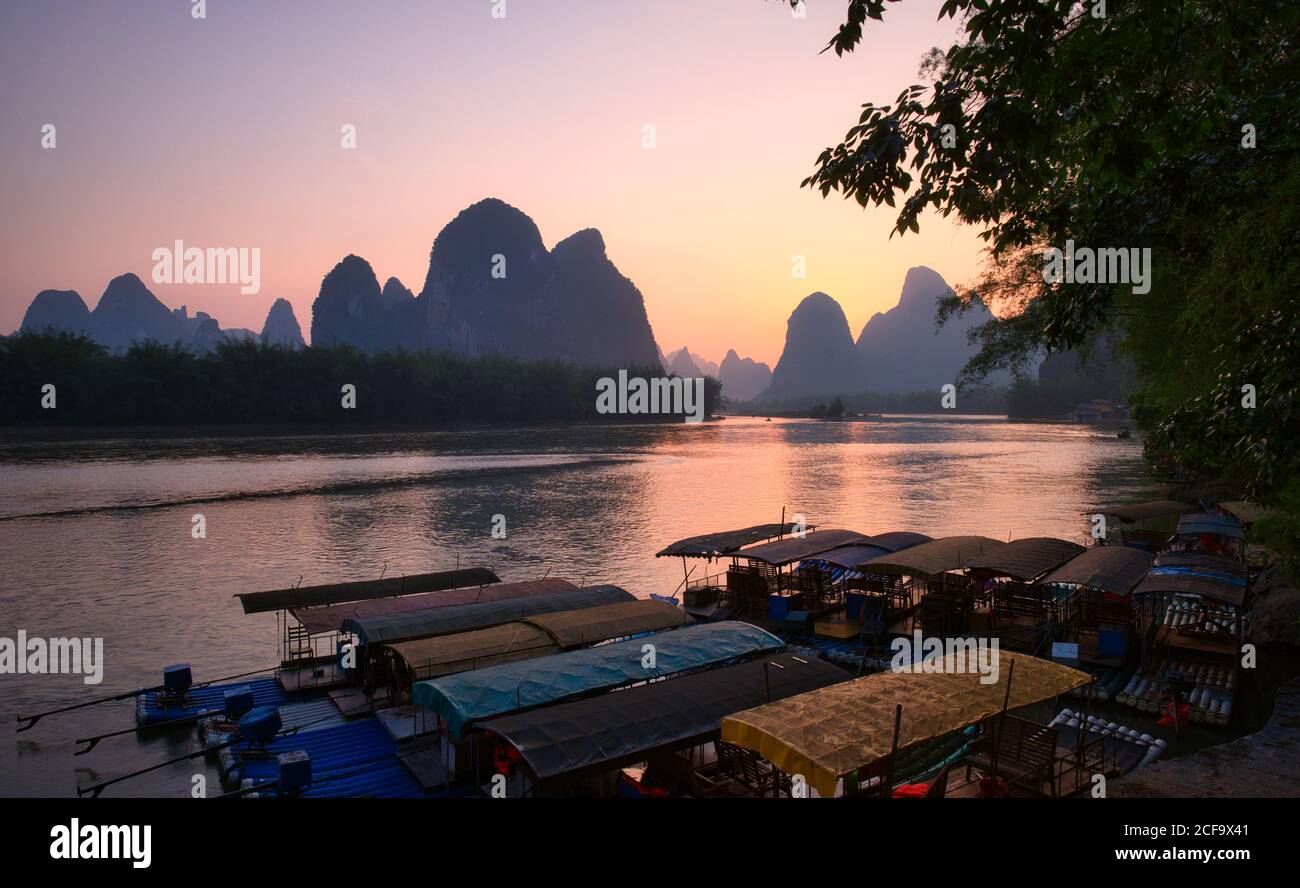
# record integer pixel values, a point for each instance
(1167, 125)
(1048, 123)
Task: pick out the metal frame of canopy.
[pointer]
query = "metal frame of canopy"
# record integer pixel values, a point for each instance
(1013, 568)
(1097, 587)
(702, 597)
(1145, 525)
(886, 598)
(309, 659)
(772, 570)
(1214, 533)
(1197, 601)
(1217, 588)
(943, 598)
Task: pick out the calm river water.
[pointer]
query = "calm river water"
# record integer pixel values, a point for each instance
(96, 536)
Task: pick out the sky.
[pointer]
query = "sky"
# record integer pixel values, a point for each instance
(226, 132)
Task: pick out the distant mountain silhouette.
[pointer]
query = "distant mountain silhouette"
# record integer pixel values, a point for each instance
(704, 365)
(680, 363)
(819, 356)
(58, 310)
(281, 327)
(394, 293)
(493, 288)
(901, 350)
(350, 308)
(128, 313)
(743, 378)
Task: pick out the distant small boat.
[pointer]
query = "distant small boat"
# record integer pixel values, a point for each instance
(1123, 433)
(769, 419)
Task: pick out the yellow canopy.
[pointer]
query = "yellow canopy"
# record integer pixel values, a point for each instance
(828, 733)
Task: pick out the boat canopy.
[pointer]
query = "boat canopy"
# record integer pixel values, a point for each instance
(533, 636)
(444, 654)
(1197, 573)
(601, 733)
(1244, 511)
(896, 540)
(851, 557)
(1112, 569)
(1146, 511)
(793, 549)
(1219, 525)
(933, 558)
(328, 619)
(590, 625)
(712, 545)
(829, 733)
(1026, 559)
(364, 590)
(466, 617)
(470, 697)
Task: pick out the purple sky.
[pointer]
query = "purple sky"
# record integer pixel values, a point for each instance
(226, 132)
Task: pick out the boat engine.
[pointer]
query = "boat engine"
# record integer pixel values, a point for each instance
(177, 680)
(294, 772)
(258, 728)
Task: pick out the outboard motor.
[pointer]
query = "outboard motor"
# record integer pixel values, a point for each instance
(239, 702)
(259, 728)
(177, 679)
(294, 772)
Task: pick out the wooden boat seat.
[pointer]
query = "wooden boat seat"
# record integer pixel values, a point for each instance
(746, 769)
(1026, 752)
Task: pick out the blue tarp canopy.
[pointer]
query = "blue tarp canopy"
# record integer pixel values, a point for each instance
(481, 615)
(1197, 573)
(509, 687)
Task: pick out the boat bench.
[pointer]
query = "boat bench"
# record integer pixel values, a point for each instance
(1026, 752)
(745, 768)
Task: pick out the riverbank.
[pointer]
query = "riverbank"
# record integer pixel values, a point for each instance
(1265, 764)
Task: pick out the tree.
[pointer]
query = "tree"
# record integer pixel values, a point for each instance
(1167, 125)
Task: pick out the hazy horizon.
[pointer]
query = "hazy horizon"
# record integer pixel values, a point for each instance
(226, 132)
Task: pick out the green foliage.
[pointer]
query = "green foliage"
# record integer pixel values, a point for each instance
(973, 401)
(1130, 130)
(834, 410)
(1280, 530)
(245, 382)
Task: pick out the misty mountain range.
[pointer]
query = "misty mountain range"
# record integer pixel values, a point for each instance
(493, 288)
(128, 312)
(899, 350)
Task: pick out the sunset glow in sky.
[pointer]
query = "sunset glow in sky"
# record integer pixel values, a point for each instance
(226, 132)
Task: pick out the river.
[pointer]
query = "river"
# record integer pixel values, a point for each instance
(97, 535)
